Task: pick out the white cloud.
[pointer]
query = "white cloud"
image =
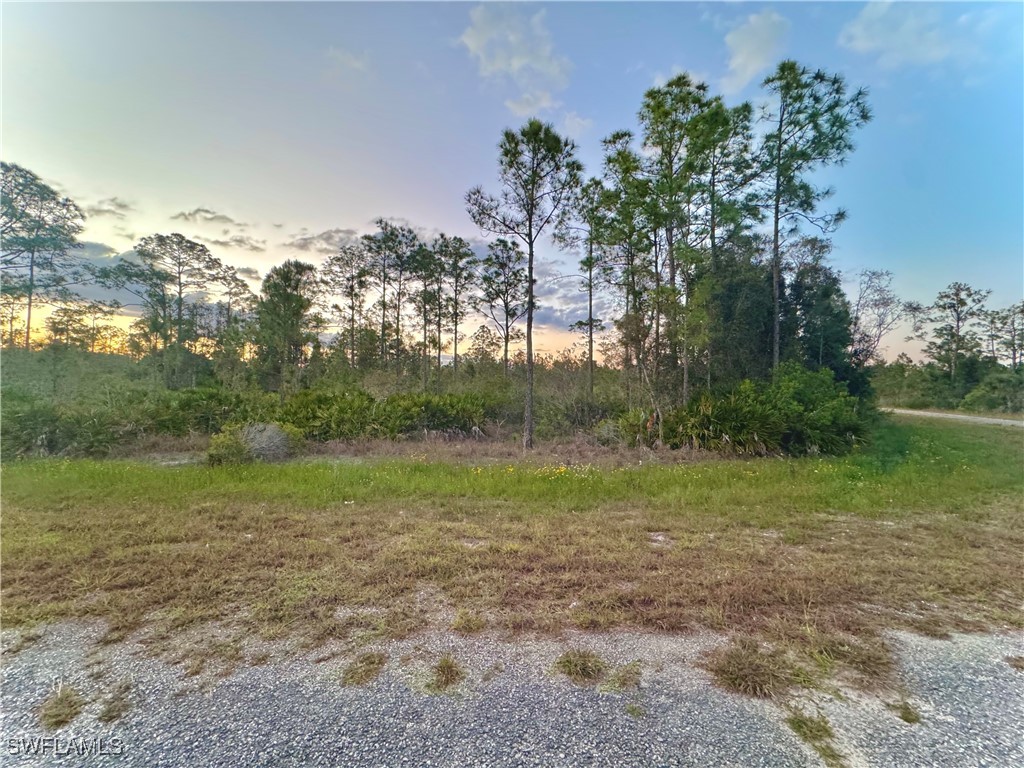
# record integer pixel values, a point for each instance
(753, 47)
(509, 46)
(343, 61)
(898, 34)
(574, 126)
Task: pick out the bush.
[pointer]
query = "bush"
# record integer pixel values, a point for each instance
(241, 443)
(742, 422)
(1002, 391)
(799, 412)
(818, 413)
(228, 448)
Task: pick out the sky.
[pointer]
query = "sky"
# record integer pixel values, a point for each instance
(275, 130)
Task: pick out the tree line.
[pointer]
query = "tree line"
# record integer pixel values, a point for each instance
(703, 233)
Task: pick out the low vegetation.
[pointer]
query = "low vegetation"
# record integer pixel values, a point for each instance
(364, 669)
(807, 560)
(62, 706)
(446, 674)
(117, 703)
(581, 666)
(817, 732)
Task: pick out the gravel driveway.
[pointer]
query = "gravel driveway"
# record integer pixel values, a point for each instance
(512, 709)
(1007, 422)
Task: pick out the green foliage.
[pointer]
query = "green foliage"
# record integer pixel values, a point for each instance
(36, 427)
(1000, 391)
(818, 414)
(228, 448)
(800, 412)
(742, 422)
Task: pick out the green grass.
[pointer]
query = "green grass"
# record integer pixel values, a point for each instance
(817, 732)
(813, 557)
(906, 712)
(581, 666)
(624, 678)
(446, 674)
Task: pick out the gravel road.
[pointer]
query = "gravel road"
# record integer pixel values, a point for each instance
(1007, 422)
(512, 709)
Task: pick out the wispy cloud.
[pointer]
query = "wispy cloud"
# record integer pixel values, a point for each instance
(575, 126)
(342, 61)
(249, 273)
(326, 242)
(510, 46)
(753, 47)
(114, 207)
(243, 242)
(207, 216)
(898, 35)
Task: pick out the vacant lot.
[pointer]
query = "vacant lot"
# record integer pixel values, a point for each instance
(814, 557)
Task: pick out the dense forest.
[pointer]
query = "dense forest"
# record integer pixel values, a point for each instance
(713, 316)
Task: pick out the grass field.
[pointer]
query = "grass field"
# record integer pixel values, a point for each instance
(804, 561)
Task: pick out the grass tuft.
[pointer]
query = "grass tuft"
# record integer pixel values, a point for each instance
(906, 712)
(626, 677)
(468, 623)
(744, 666)
(117, 704)
(1017, 662)
(581, 666)
(634, 710)
(61, 707)
(817, 732)
(365, 669)
(447, 673)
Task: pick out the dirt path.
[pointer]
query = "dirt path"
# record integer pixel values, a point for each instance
(1007, 422)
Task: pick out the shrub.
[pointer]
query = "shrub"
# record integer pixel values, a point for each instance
(818, 414)
(228, 448)
(1001, 391)
(634, 428)
(741, 422)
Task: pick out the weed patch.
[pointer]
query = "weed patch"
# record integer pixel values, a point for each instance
(468, 623)
(582, 667)
(624, 678)
(817, 732)
(365, 669)
(746, 667)
(906, 712)
(61, 707)
(117, 704)
(446, 673)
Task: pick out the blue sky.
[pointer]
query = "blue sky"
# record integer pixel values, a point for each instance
(271, 130)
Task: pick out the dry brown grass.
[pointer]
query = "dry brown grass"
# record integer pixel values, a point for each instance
(813, 558)
(61, 707)
(365, 669)
(446, 674)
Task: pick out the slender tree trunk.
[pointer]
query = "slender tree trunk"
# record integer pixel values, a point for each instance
(352, 335)
(670, 239)
(590, 317)
(426, 353)
(383, 314)
(657, 307)
(776, 255)
(528, 411)
(508, 331)
(455, 334)
(713, 202)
